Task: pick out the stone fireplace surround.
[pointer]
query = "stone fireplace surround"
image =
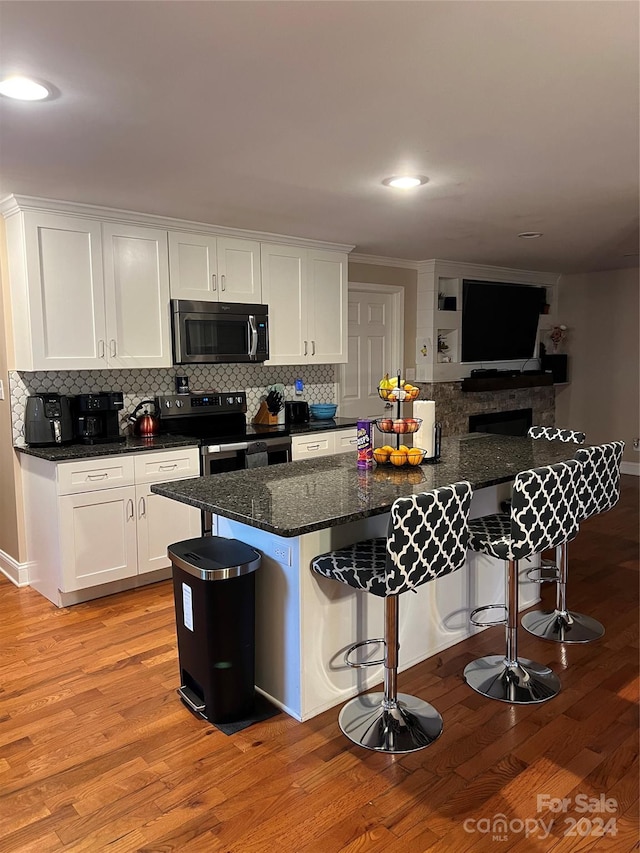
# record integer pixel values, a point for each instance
(453, 407)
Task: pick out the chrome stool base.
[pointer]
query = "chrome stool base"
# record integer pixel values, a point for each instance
(521, 683)
(407, 725)
(567, 627)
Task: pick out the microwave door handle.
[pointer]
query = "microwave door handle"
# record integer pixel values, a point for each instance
(253, 347)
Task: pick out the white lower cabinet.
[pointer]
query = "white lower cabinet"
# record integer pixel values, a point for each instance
(326, 443)
(95, 521)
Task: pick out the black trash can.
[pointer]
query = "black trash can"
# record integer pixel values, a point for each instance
(214, 593)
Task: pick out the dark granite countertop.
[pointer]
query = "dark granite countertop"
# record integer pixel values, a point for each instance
(68, 452)
(312, 494)
(322, 425)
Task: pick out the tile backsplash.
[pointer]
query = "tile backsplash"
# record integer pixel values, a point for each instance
(320, 384)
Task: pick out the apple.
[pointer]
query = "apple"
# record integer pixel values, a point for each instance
(399, 426)
(385, 424)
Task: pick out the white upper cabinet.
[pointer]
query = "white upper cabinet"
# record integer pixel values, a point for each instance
(136, 270)
(306, 291)
(214, 269)
(87, 295)
(57, 290)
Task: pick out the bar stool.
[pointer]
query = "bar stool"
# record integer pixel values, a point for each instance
(426, 539)
(599, 492)
(553, 433)
(545, 507)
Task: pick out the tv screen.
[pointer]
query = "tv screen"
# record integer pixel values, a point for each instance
(499, 321)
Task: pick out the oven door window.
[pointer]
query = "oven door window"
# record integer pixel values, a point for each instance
(216, 336)
(227, 460)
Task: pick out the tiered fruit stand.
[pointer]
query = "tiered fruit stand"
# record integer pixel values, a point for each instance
(398, 426)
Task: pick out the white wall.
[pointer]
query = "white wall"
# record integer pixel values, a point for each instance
(601, 310)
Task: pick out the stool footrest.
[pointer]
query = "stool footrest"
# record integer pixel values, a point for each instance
(486, 624)
(355, 646)
(546, 572)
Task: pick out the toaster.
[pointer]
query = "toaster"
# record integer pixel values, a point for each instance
(296, 412)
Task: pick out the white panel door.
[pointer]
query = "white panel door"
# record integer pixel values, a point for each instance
(374, 347)
(136, 264)
(161, 522)
(239, 275)
(327, 307)
(283, 290)
(193, 266)
(98, 537)
(66, 292)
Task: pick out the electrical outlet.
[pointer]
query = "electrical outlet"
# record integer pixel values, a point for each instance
(1, 390)
(282, 553)
(636, 444)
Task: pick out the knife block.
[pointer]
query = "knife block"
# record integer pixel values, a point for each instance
(264, 416)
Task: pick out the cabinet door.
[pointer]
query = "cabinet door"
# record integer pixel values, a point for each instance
(98, 537)
(283, 284)
(193, 267)
(65, 292)
(161, 521)
(239, 270)
(136, 267)
(327, 307)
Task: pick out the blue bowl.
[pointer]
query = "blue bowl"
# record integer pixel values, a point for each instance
(322, 411)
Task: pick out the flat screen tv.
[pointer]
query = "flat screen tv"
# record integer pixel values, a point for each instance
(499, 321)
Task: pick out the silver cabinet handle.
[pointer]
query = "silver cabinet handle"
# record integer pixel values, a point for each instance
(223, 281)
(97, 476)
(167, 467)
(130, 510)
(313, 446)
(100, 348)
(313, 347)
(214, 284)
(305, 347)
(142, 508)
(112, 347)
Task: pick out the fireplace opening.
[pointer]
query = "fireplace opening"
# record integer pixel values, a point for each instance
(515, 422)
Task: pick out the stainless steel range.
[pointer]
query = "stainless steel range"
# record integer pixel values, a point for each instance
(227, 442)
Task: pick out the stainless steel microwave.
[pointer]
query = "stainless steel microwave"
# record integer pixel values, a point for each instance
(219, 332)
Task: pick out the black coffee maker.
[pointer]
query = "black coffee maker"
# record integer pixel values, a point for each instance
(96, 417)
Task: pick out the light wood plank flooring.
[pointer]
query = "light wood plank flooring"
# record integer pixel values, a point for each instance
(98, 754)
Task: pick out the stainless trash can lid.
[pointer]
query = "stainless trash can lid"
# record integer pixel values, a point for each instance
(214, 558)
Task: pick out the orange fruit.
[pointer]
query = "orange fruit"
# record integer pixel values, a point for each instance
(380, 454)
(398, 457)
(414, 456)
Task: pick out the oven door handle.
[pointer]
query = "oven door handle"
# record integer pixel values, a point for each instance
(222, 448)
(253, 346)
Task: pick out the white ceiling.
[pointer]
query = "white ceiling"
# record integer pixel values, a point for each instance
(286, 116)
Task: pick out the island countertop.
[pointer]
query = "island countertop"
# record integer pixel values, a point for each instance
(299, 497)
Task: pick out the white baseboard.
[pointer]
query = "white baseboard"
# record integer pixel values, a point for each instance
(632, 468)
(18, 573)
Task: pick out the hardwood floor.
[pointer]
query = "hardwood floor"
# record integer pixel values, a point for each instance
(98, 754)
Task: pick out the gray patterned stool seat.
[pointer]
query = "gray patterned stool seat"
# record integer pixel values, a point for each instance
(545, 509)
(599, 492)
(427, 539)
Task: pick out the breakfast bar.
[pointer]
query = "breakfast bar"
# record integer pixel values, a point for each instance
(293, 512)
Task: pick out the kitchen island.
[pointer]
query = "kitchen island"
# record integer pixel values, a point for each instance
(291, 513)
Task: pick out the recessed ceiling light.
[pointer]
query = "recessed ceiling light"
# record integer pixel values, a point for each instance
(23, 89)
(405, 182)
(530, 235)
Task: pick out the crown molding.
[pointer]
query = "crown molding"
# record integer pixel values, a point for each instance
(13, 204)
(457, 269)
(380, 261)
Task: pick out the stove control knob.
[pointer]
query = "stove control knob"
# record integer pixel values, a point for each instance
(230, 400)
(179, 404)
(167, 404)
(238, 399)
